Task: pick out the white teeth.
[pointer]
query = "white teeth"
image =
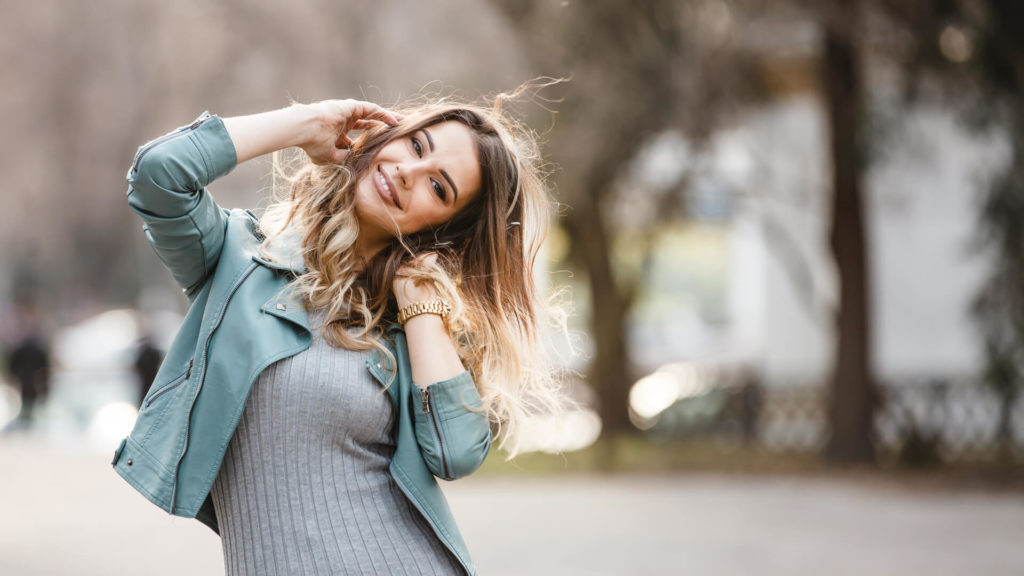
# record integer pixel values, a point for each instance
(387, 189)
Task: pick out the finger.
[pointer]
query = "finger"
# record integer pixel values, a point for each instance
(366, 124)
(369, 110)
(338, 156)
(343, 141)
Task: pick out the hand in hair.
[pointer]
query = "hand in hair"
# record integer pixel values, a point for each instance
(329, 141)
(320, 129)
(432, 354)
(405, 288)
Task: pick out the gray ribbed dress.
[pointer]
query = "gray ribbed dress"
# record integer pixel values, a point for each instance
(304, 487)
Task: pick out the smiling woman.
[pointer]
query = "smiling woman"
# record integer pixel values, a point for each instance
(360, 339)
(413, 187)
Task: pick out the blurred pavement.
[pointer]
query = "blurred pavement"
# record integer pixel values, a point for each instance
(64, 511)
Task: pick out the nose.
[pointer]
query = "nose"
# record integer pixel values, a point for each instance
(400, 175)
(407, 172)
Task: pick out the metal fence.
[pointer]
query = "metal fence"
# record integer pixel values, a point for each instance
(916, 420)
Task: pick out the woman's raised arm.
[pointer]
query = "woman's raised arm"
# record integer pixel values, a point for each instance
(320, 129)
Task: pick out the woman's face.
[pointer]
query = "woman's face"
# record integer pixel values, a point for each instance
(418, 181)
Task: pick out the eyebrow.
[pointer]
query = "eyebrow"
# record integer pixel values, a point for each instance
(430, 144)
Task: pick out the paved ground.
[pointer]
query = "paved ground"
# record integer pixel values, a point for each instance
(64, 511)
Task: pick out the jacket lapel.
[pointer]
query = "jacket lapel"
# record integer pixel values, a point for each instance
(377, 364)
(284, 256)
(287, 307)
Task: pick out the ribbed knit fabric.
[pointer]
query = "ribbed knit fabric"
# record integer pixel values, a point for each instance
(304, 487)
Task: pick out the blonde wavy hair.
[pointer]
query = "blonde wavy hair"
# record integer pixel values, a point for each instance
(486, 255)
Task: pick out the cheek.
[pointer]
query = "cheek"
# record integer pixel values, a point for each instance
(420, 217)
(360, 200)
(366, 204)
(437, 215)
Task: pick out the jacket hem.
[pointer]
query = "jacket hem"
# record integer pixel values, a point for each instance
(413, 494)
(142, 463)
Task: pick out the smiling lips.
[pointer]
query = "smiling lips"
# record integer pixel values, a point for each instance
(385, 188)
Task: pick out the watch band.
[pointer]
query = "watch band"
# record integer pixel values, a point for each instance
(436, 306)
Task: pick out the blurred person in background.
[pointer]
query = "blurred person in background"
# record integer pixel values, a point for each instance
(28, 364)
(147, 363)
(362, 337)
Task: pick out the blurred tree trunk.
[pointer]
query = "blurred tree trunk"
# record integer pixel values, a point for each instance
(852, 389)
(627, 85)
(610, 370)
(636, 70)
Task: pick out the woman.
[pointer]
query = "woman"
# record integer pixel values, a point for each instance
(360, 339)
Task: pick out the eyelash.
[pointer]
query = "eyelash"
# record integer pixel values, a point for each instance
(438, 187)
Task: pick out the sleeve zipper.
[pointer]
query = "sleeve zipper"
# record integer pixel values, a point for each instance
(427, 407)
(172, 385)
(179, 132)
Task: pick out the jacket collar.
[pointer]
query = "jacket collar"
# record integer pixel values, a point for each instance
(284, 253)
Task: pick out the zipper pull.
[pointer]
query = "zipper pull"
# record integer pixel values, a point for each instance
(189, 371)
(426, 400)
(198, 121)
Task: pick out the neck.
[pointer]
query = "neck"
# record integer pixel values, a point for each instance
(366, 248)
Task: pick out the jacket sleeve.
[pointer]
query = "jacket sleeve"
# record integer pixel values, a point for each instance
(167, 189)
(454, 439)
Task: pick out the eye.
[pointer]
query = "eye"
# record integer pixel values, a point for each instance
(438, 189)
(417, 147)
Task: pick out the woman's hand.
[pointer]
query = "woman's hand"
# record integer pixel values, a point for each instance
(328, 142)
(432, 353)
(404, 287)
(320, 129)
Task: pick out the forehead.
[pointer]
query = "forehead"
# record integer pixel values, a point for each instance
(455, 151)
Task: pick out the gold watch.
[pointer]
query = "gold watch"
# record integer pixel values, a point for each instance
(438, 306)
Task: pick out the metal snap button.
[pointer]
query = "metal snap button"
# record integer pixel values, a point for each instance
(130, 461)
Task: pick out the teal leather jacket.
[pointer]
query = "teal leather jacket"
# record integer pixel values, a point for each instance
(240, 320)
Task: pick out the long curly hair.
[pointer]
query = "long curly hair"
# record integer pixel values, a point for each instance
(486, 255)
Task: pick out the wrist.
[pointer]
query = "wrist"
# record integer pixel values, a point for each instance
(437, 307)
(432, 322)
(407, 292)
(307, 120)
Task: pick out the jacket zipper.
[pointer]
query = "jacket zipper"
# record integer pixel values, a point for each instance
(202, 377)
(172, 385)
(428, 408)
(180, 131)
